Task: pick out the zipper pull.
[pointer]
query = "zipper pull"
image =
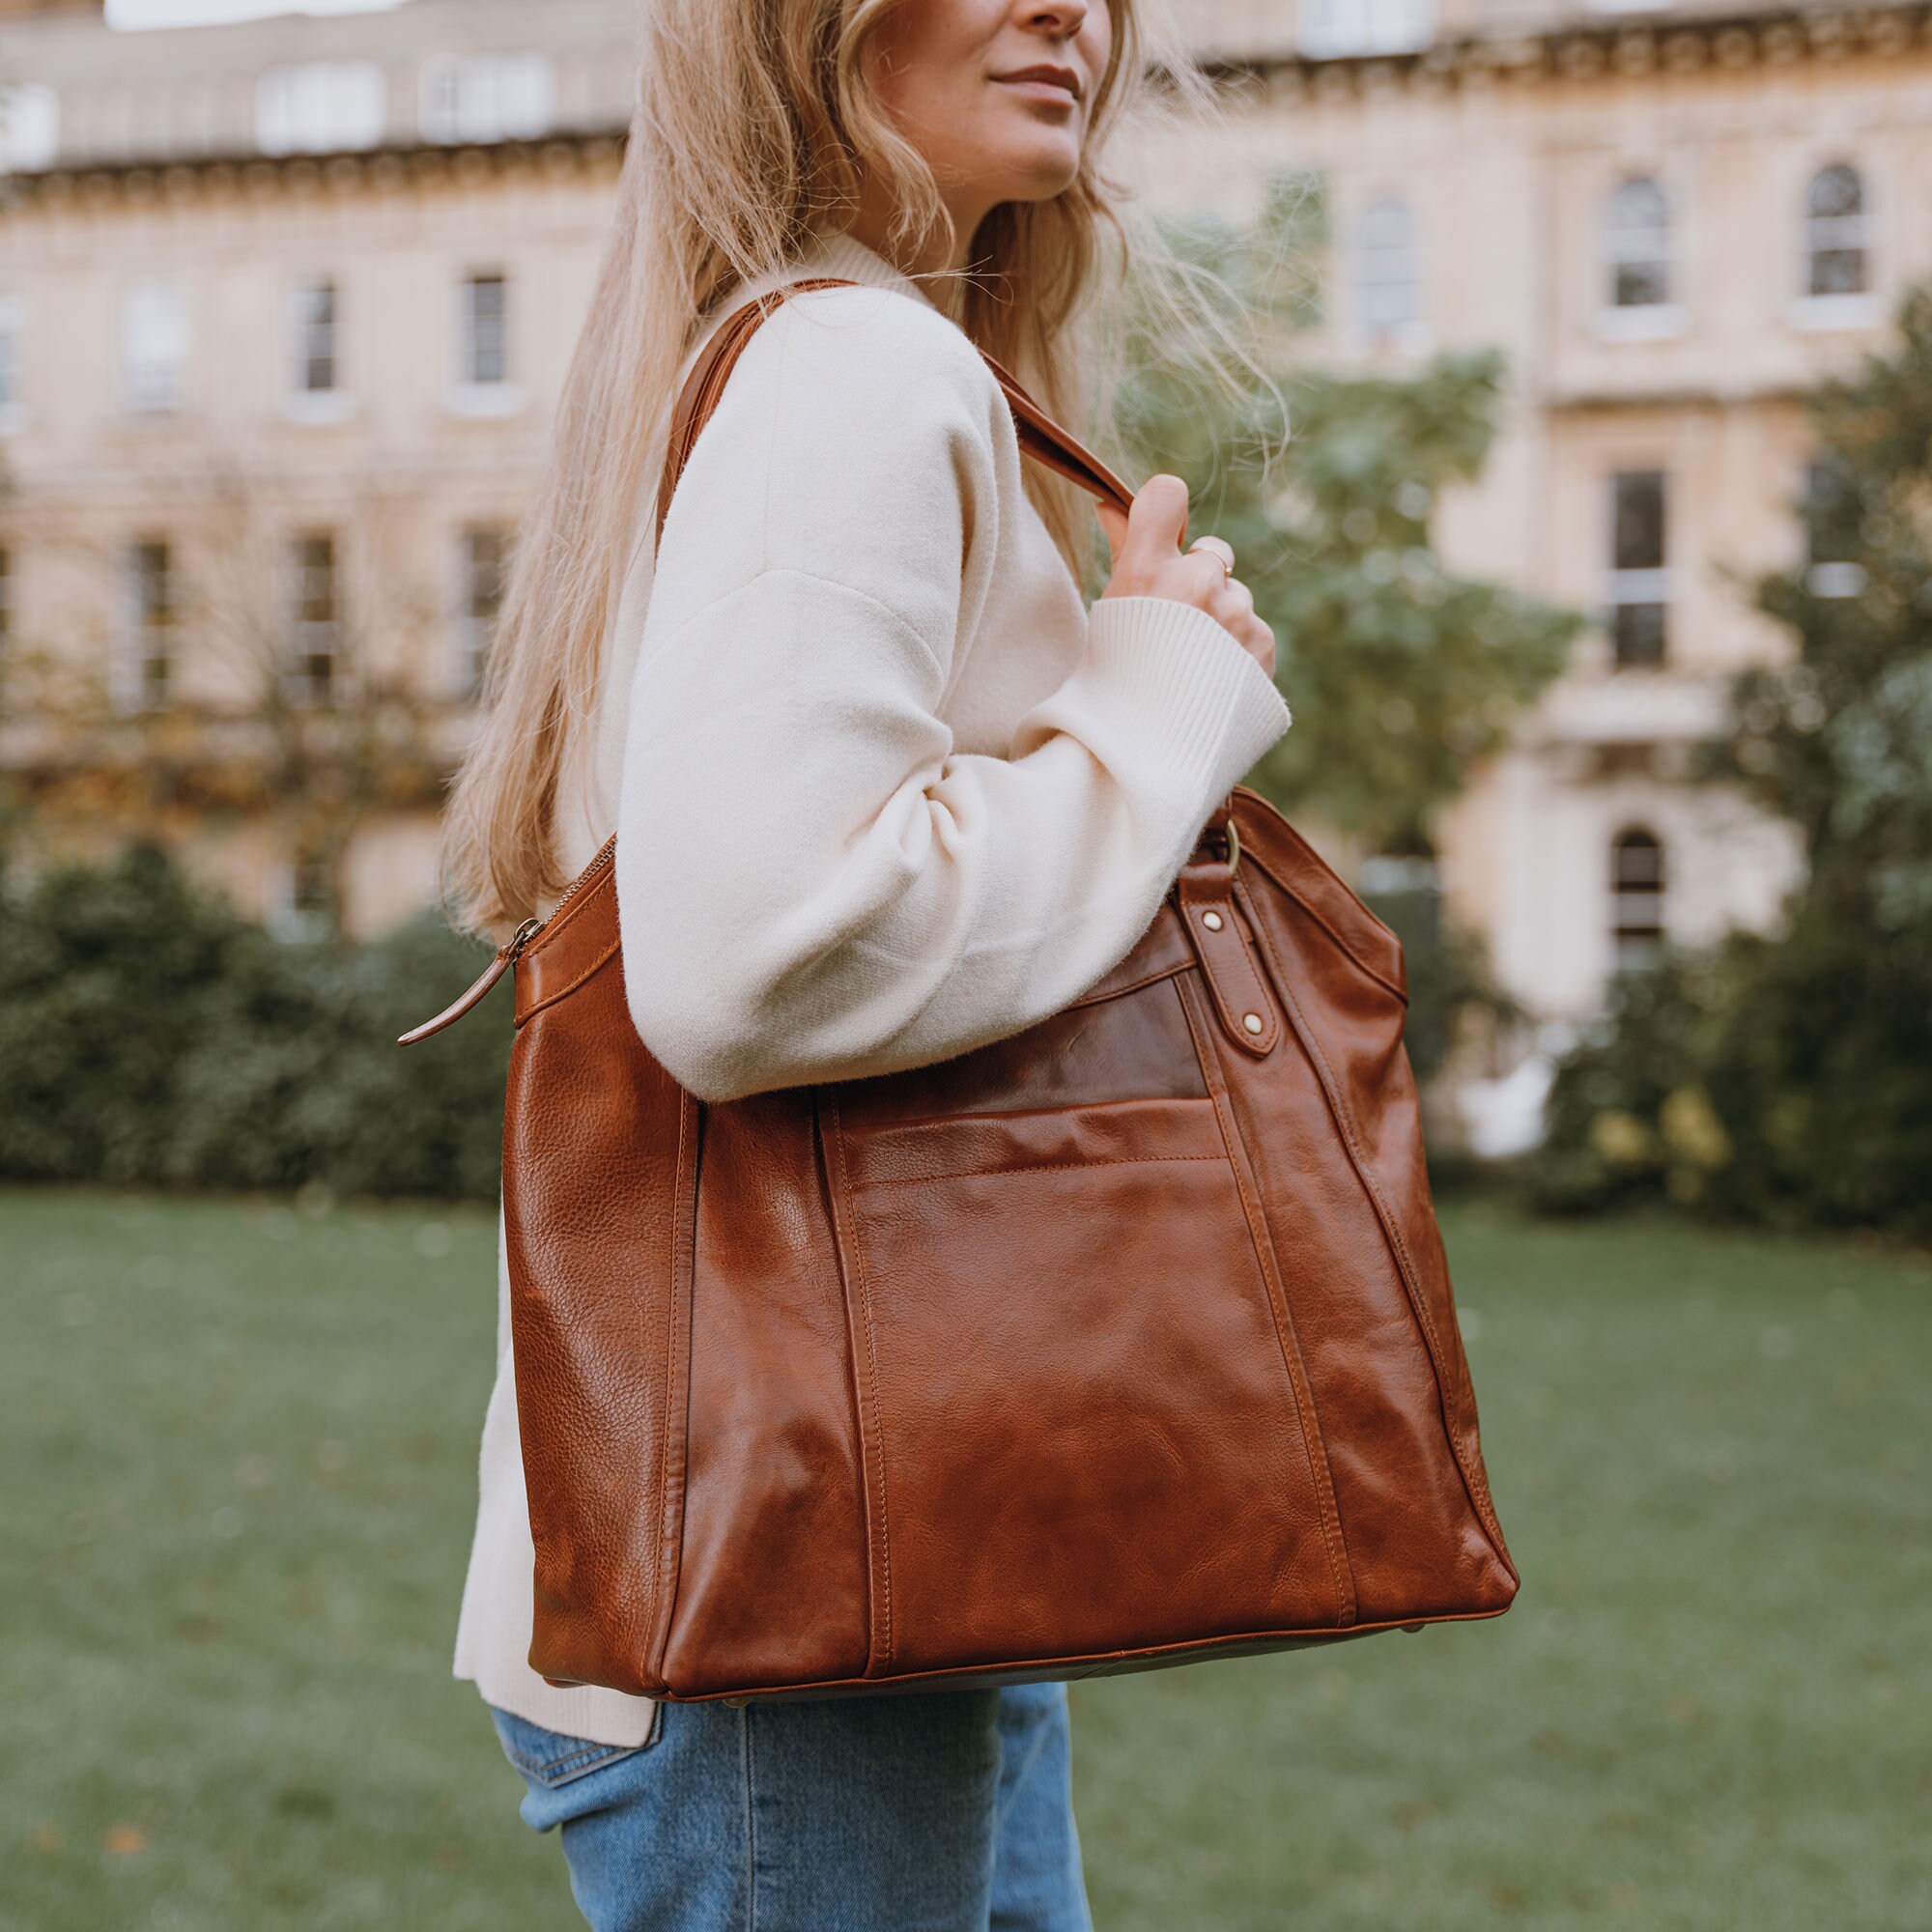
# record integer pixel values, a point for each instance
(506, 956)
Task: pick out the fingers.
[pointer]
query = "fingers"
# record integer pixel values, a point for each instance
(1114, 522)
(1156, 523)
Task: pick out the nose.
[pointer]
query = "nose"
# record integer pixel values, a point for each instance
(1062, 18)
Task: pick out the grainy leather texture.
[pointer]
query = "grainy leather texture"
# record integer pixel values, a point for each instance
(1124, 1340)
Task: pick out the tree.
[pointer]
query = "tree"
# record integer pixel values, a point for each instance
(251, 693)
(1401, 676)
(1787, 1078)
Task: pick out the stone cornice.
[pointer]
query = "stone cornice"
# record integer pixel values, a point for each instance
(1609, 48)
(559, 158)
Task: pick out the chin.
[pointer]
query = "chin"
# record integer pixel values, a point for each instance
(1040, 177)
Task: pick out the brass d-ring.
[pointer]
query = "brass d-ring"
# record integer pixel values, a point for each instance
(1233, 846)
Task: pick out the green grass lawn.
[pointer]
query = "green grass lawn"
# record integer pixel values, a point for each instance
(238, 1447)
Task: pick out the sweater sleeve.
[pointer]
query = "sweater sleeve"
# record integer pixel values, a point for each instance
(812, 882)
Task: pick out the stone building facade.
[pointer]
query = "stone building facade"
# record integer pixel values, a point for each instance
(290, 304)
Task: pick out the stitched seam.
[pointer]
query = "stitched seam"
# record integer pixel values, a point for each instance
(750, 1825)
(1031, 1167)
(574, 898)
(872, 1375)
(602, 960)
(671, 1330)
(1132, 985)
(1260, 1045)
(580, 1759)
(1315, 918)
(1104, 1663)
(1300, 1389)
(1398, 1247)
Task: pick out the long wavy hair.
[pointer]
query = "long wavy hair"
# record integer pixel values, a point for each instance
(754, 124)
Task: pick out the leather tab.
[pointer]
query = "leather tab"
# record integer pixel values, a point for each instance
(459, 1006)
(1217, 930)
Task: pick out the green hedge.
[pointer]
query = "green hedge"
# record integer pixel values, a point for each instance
(1786, 1083)
(150, 1034)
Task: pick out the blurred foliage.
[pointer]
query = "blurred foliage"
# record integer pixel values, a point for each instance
(1789, 1080)
(150, 1034)
(1402, 676)
(1448, 974)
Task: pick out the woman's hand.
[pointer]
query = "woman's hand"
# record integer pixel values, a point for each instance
(1150, 562)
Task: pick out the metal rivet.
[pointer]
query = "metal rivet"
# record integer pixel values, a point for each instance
(1212, 920)
(1252, 1021)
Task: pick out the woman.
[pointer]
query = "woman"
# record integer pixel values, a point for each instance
(885, 790)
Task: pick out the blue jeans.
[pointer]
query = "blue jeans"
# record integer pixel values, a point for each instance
(931, 1811)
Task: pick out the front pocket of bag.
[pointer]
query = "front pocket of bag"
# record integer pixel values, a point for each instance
(1082, 1433)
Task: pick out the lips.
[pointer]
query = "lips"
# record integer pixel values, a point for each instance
(1052, 76)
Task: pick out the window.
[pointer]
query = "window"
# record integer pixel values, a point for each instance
(1832, 568)
(1636, 246)
(144, 666)
(304, 904)
(320, 108)
(1638, 582)
(312, 673)
(1636, 900)
(9, 361)
(1836, 248)
(486, 343)
(485, 557)
(1388, 289)
(488, 97)
(1334, 28)
(29, 127)
(317, 369)
(153, 347)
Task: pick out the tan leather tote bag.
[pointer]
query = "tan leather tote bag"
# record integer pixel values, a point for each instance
(1122, 1342)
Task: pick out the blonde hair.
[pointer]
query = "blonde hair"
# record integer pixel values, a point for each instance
(752, 124)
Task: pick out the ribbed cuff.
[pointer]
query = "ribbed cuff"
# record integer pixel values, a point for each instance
(1189, 684)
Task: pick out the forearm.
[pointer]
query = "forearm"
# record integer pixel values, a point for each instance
(893, 902)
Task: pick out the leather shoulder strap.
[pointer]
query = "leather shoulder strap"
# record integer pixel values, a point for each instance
(1040, 435)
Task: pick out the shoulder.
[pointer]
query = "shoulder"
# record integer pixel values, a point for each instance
(866, 354)
(858, 441)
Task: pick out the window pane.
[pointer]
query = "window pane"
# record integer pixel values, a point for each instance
(320, 108)
(488, 97)
(485, 331)
(1637, 899)
(1387, 290)
(1638, 581)
(144, 663)
(153, 345)
(1836, 242)
(1638, 540)
(486, 554)
(315, 339)
(10, 354)
(29, 125)
(1637, 633)
(1836, 190)
(315, 640)
(1338, 27)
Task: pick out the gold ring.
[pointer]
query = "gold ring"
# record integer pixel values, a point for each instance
(1219, 549)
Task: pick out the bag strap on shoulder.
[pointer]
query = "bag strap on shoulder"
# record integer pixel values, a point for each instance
(1040, 435)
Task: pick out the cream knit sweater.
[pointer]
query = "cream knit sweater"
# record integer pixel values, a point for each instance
(885, 790)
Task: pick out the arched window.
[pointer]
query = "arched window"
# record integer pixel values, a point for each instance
(1836, 248)
(1636, 246)
(1388, 281)
(1637, 899)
